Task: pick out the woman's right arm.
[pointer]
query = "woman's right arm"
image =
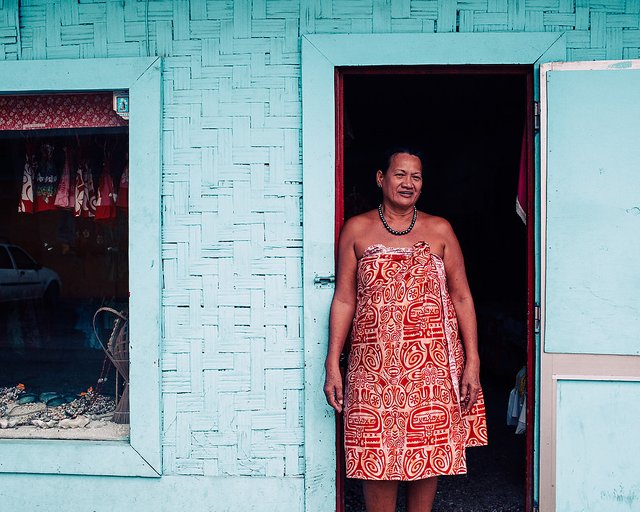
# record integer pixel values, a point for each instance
(343, 308)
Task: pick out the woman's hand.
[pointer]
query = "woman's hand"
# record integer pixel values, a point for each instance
(470, 387)
(333, 386)
(343, 308)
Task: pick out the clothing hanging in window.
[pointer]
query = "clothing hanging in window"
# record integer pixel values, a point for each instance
(26, 204)
(47, 187)
(66, 195)
(106, 200)
(46, 180)
(123, 188)
(85, 200)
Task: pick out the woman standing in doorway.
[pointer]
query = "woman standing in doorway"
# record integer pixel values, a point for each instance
(412, 401)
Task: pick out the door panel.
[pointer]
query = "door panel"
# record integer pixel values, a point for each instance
(597, 478)
(590, 273)
(593, 212)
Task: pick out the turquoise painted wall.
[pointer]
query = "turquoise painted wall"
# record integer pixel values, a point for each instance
(232, 353)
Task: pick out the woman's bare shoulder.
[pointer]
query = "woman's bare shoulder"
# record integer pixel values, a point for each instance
(359, 224)
(435, 223)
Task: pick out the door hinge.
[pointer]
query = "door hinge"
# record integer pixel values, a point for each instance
(536, 318)
(536, 115)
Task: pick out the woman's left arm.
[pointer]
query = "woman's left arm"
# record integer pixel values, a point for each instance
(465, 311)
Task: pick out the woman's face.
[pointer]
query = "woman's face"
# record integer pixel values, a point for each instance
(402, 182)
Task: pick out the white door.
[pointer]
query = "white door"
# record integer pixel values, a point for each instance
(590, 303)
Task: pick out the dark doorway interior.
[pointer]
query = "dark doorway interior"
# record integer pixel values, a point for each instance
(470, 127)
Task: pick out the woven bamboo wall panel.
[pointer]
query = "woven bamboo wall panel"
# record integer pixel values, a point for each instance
(606, 21)
(232, 352)
(9, 43)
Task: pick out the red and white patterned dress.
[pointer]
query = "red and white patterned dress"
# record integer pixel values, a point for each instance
(403, 419)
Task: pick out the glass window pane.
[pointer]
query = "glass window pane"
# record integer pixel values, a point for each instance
(22, 259)
(5, 261)
(63, 358)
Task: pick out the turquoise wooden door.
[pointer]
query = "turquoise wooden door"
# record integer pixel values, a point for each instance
(590, 261)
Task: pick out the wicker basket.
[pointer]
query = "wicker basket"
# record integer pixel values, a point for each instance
(117, 350)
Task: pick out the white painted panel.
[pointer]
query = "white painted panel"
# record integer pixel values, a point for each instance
(597, 446)
(593, 212)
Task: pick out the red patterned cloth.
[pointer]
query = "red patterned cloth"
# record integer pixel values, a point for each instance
(105, 197)
(66, 195)
(402, 418)
(46, 111)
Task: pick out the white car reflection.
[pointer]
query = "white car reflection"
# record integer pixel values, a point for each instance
(21, 278)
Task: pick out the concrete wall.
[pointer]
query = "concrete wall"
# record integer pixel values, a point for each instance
(232, 354)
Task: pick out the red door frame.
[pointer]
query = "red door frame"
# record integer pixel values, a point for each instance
(527, 71)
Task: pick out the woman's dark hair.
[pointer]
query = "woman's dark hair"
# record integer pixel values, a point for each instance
(387, 155)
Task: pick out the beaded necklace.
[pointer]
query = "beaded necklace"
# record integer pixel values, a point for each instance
(394, 231)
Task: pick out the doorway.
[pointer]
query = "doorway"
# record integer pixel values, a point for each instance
(471, 123)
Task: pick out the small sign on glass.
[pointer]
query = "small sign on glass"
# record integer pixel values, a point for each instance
(121, 104)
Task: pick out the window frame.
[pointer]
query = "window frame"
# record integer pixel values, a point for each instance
(141, 454)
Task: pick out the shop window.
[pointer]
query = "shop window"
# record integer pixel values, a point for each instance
(64, 228)
(80, 266)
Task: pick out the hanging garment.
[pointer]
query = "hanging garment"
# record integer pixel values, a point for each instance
(123, 188)
(26, 204)
(106, 201)
(46, 181)
(522, 419)
(85, 200)
(516, 408)
(403, 419)
(513, 408)
(91, 198)
(79, 190)
(65, 197)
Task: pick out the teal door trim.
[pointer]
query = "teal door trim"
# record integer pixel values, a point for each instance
(141, 455)
(554, 53)
(321, 54)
